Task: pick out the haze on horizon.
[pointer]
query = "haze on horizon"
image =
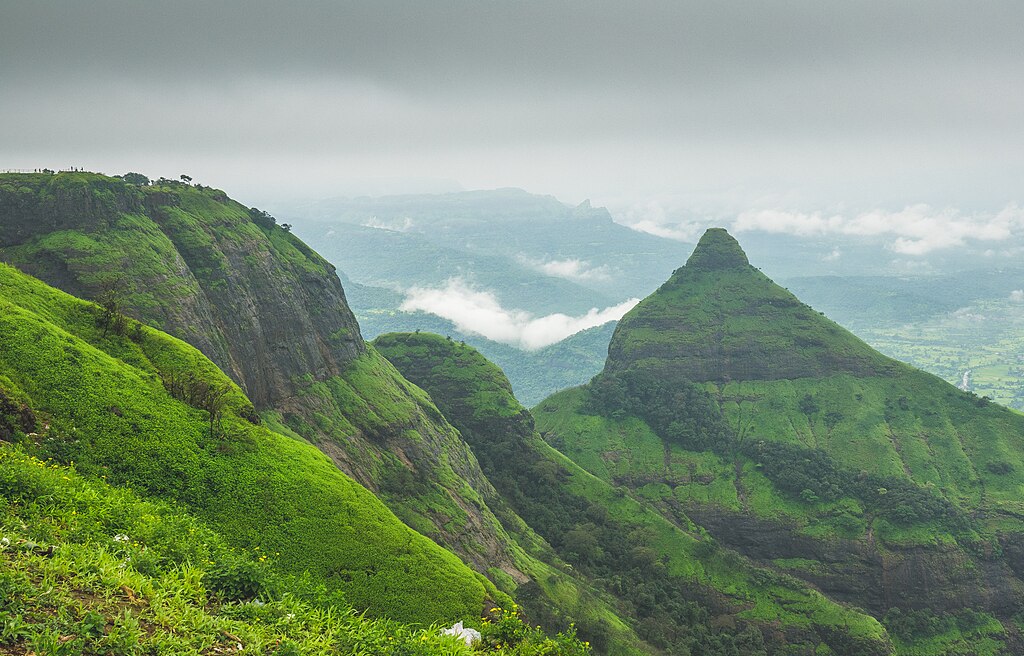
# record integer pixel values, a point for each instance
(702, 109)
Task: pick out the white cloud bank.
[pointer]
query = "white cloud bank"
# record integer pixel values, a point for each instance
(569, 269)
(1017, 296)
(915, 230)
(653, 218)
(480, 313)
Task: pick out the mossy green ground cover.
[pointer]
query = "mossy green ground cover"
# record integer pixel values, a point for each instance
(108, 412)
(86, 568)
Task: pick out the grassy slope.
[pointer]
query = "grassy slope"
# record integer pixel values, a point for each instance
(477, 397)
(111, 415)
(628, 453)
(88, 568)
(173, 250)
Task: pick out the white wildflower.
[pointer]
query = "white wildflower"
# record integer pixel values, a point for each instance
(121, 537)
(468, 635)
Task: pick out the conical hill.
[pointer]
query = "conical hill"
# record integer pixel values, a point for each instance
(719, 319)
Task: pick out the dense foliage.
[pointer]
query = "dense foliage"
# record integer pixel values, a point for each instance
(678, 410)
(812, 475)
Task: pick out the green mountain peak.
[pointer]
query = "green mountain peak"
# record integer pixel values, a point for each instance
(717, 250)
(719, 319)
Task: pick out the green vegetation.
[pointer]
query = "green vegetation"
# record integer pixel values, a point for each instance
(948, 325)
(553, 597)
(272, 314)
(730, 322)
(86, 568)
(107, 410)
(675, 581)
(964, 632)
(727, 400)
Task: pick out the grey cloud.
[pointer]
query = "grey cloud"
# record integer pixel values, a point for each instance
(876, 98)
(445, 41)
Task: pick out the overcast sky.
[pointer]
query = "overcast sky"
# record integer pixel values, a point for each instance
(717, 106)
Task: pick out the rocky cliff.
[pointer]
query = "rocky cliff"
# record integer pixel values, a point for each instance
(273, 315)
(251, 296)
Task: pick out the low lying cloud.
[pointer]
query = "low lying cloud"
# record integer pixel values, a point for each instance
(403, 225)
(570, 269)
(916, 230)
(480, 313)
(833, 256)
(652, 217)
(1017, 296)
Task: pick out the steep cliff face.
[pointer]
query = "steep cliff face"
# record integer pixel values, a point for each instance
(727, 402)
(247, 293)
(272, 314)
